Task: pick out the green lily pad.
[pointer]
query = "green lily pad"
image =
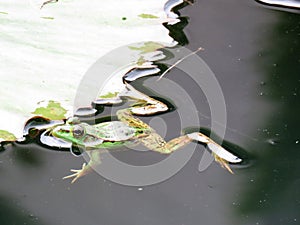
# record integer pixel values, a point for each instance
(148, 16)
(149, 46)
(141, 60)
(7, 136)
(110, 95)
(53, 111)
(55, 31)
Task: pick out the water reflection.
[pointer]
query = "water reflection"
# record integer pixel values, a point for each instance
(282, 3)
(13, 213)
(176, 31)
(176, 27)
(272, 189)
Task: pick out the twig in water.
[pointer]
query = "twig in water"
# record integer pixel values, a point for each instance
(189, 2)
(179, 61)
(47, 2)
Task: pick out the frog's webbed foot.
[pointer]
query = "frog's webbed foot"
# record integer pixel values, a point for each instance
(77, 173)
(221, 155)
(86, 168)
(223, 163)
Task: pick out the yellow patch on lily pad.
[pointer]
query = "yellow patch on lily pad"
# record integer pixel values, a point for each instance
(110, 95)
(147, 47)
(7, 136)
(53, 111)
(148, 16)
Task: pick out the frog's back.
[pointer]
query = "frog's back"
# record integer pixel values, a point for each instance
(115, 131)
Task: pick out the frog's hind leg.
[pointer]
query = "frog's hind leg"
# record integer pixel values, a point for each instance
(86, 168)
(156, 143)
(125, 116)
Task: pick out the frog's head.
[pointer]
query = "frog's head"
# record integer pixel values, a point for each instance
(70, 133)
(82, 135)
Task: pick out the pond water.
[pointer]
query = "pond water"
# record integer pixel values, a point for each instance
(254, 53)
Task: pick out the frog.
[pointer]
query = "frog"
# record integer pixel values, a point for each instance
(129, 130)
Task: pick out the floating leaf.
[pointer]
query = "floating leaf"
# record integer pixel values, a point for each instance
(149, 46)
(61, 39)
(148, 16)
(7, 136)
(110, 95)
(53, 111)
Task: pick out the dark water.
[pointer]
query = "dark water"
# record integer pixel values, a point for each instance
(254, 53)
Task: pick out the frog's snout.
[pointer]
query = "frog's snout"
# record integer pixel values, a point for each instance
(58, 131)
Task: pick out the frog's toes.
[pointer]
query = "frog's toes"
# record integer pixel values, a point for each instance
(77, 173)
(223, 163)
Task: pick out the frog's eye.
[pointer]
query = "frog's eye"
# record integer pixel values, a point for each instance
(78, 131)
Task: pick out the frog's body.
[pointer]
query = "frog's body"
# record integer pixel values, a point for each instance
(131, 130)
(103, 135)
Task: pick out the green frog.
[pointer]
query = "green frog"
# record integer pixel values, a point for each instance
(130, 130)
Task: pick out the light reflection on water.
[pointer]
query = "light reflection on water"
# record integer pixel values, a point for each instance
(282, 3)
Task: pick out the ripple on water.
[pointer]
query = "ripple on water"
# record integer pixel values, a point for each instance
(273, 141)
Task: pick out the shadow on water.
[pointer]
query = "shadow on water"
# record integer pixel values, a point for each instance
(12, 211)
(273, 192)
(176, 30)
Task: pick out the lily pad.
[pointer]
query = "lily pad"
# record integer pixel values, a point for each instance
(53, 111)
(148, 47)
(110, 95)
(58, 45)
(6, 136)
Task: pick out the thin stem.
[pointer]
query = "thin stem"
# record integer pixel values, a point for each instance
(179, 61)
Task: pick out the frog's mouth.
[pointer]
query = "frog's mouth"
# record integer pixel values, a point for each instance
(62, 132)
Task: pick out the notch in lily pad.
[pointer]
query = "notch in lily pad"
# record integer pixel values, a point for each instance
(53, 111)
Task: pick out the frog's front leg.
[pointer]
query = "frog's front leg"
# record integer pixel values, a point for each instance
(86, 168)
(145, 105)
